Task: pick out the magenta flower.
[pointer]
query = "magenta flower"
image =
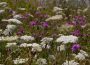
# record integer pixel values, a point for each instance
(76, 33)
(33, 23)
(75, 47)
(79, 20)
(21, 31)
(45, 24)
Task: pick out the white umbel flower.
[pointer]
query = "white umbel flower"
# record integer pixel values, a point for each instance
(56, 17)
(2, 11)
(84, 53)
(67, 39)
(11, 27)
(20, 60)
(36, 47)
(9, 38)
(11, 44)
(25, 45)
(44, 45)
(18, 16)
(81, 55)
(3, 4)
(27, 38)
(12, 21)
(41, 61)
(55, 9)
(72, 62)
(47, 39)
(7, 32)
(61, 48)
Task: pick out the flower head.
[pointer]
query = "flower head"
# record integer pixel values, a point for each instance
(45, 24)
(75, 47)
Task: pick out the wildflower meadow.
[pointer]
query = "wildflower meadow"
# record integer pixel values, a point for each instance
(44, 32)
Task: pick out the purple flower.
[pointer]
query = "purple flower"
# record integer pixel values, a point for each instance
(76, 33)
(79, 20)
(45, 24)
(37, 13)
(21, 31)
(75, 47)
(33, 23)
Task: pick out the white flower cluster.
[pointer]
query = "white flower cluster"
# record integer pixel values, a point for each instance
(9, 29)
(20, 60)
(56, 17)
(27, 38)
(81, 55)
(72, 62)
(3, 4)
(61, 47)
(2, 11)
(25, 45)
(47, 39)
(45, 42)
(9, 38)
(67, 39)
(18, 16)
(11, 44)
(56, 9)
(16, 21)
(41, 61)
(34, 46)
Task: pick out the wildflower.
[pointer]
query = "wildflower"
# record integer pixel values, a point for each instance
(56, 9)
(61, 48)
(3, 4)
(45, 24)
(41, 61)
(84, 53)
(7, 32)
(13, 21)
(2, 11)
(36, 47)
(52, 57)
(10, 44)
(11, 27)
(72, 62)
(27, 38)
(81, 55)
(56, 17)
(33, 23)
(76, 33)
(20, 60)
(18, 16)
(44, 45)
(21, 31)
(25, 45)
(67, 39)
(75, 47)
(47, 39)
(9, 38)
